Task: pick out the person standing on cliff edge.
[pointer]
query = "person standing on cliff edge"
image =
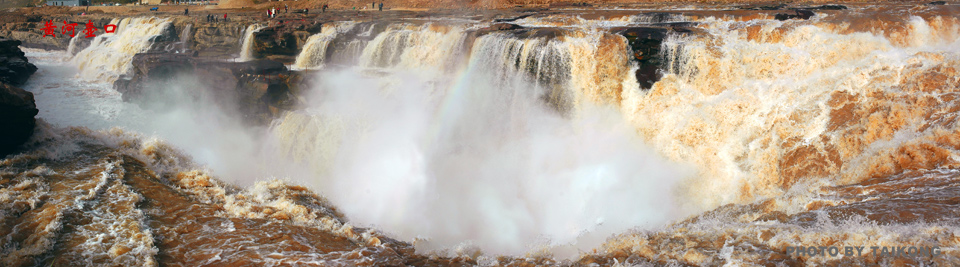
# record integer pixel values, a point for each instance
(381, 6)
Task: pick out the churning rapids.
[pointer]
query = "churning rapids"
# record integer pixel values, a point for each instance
(494, 148)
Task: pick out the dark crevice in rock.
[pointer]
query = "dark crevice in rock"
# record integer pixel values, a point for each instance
(646, 43)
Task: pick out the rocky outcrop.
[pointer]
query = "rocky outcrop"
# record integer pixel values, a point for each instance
(281, 40)
(645, 44)
(214, 39)
(30, 30)
(14, 67)
(764, 7)
(830, 7)
(17, 108)
(504, 27)
(513, 18)
(284, 40)
(206, 38)
(276, 41)
(799, 14)
(259, 90)
(17, 120)
(18, 111)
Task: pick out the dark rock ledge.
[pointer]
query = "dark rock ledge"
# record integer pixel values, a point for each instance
(17, 108)
(259, 90)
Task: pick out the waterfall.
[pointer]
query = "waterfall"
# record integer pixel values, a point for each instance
(110, 55)
(445, 118)
(567, 66)
(246, 49)
(584, 66)
(455, 136)
(72, 47)
(761, 106)
(185, 38)
(314, 51)
(541, 62)
(428, 46)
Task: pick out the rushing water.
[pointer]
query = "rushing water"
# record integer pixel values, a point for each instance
(760, 135)
(246, 46)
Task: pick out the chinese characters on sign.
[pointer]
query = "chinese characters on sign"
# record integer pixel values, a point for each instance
(49, 29)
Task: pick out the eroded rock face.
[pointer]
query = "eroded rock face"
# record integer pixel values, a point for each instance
(17, 119)
(14, 67)
(30, 30)
(17, 108)
(257, 89)
(800, 14)
(645, 44)
(279, 41)
(503, 27)
(282, 40)
(216, 38)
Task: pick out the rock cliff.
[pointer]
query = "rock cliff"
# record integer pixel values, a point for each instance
(17, 108)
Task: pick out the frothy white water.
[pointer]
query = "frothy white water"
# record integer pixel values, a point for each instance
(314, 51)
(185, 38)
(475, 157)
(409, 46)
(199, 127)
(746, 98)
(246, 48)
(584, 66)
(72, 46)
(602, 22)
(109, 55)
(423, 147)
(543, 61)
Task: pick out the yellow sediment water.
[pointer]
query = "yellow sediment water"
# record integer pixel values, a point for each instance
(761, 135)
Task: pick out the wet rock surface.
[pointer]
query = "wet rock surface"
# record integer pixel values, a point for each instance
(30, 30)
(14, 67)
(112, 205)
(17, 121)
(798, 14)
(504, 27)
(17, 108)
(645, 45)
(831, 7)
(258, 89)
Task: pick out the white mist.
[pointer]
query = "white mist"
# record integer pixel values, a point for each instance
(474, 161)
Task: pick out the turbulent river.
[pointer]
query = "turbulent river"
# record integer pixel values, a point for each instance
(496, 148)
